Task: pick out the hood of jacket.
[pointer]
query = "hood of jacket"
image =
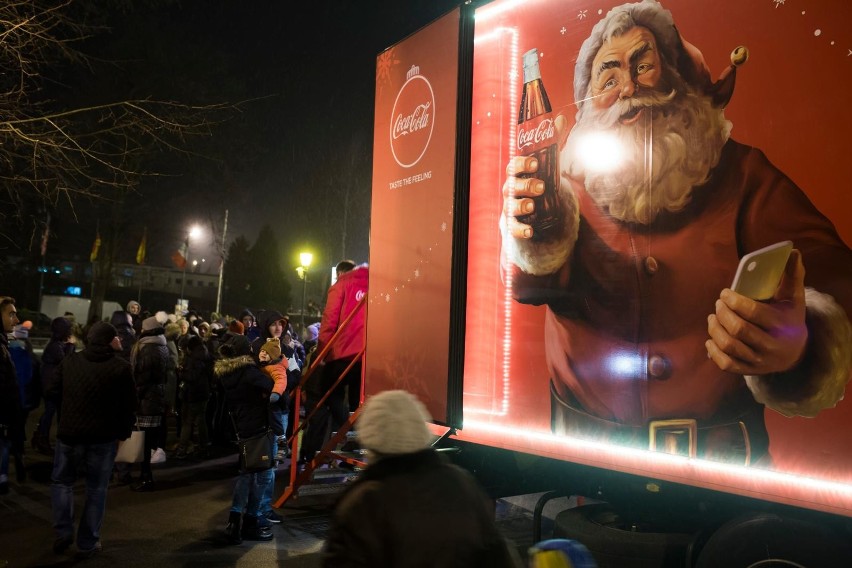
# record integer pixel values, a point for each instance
(267, 318)
(224, 367)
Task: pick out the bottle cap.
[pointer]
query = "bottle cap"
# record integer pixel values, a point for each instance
(531, 70)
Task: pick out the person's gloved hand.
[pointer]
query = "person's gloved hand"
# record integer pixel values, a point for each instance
(274, 397)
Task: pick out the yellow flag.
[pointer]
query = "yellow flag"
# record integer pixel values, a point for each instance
(140, 252)
(96, 246)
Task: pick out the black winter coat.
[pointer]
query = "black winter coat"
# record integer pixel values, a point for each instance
(150, 360)
(54, 353)
(196, 376)
(98, 398)
(247, 391)
(10, 396)
(415, 510)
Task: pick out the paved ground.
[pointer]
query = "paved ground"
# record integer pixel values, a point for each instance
(181, 523)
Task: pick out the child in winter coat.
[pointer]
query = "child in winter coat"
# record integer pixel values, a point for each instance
(274, 364)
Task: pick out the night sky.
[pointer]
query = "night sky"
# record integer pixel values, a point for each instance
(296, 150)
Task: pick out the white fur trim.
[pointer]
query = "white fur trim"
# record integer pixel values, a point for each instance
(394, 422)
(820, 382)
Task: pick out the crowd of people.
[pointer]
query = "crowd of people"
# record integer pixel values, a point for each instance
(202, 381)
(230, 379)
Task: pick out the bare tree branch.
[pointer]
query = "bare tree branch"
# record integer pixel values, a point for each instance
(56, 153)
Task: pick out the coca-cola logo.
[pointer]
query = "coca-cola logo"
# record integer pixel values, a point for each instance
(536, 134)
(412, 119)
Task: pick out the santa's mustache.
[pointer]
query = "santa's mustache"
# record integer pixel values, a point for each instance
(628, 108)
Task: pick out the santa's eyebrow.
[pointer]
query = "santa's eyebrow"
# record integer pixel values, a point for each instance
(643, 49)
(611, 64)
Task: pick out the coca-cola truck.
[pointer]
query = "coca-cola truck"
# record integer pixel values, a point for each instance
(605, 354)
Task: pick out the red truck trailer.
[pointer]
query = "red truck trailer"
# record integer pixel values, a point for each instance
(563, 192)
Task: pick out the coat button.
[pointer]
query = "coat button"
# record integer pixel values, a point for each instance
(659, 367)
(651, 265)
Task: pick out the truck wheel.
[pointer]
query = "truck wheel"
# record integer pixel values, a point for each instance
(617, 540)
(764, 540)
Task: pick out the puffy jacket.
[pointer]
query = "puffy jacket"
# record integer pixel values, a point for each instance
(98, 397)
(415, 510)
(197, 372)
(150, 360)
(247, 391)
(342, 299)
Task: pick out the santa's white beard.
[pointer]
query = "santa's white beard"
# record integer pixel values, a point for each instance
(668, 151)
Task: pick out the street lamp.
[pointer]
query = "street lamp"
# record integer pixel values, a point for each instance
(194, 232)
(305, 258)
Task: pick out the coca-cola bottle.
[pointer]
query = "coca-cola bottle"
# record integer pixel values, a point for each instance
(537, 140)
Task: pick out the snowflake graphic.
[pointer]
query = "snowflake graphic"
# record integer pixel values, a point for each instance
(564, 30)
(582, 14)
(779, 2)
(417, 273)
(387, 297)
(383, 68)
(444, 227)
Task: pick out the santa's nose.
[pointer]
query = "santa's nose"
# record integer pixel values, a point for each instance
(628, 89)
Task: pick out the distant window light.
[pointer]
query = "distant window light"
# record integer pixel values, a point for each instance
(74, 291)
(68, 268)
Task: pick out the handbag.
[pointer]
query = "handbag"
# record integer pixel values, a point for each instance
(257, 452)
(132, 449)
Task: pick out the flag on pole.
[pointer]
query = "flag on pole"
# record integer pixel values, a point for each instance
(140, 252)
(179, 256)
(96, 247)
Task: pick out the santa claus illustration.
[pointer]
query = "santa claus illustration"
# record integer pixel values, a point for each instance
(646, 344)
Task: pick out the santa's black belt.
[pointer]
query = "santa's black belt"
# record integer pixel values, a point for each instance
(726, 441)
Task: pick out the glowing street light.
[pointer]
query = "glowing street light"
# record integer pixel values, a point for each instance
(305, 258)
(193, 233)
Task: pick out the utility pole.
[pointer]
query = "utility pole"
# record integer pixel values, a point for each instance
(221, 263)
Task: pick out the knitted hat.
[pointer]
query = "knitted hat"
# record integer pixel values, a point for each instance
(394, 422)
(237, 327)
(151, 323)
(60, 328)
(313, 331)
(561, 552)
(102, 333)
(272, 348)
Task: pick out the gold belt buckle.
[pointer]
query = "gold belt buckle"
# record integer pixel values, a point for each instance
(673, 430)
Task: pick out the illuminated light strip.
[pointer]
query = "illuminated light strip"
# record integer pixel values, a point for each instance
(506, 360)
(832, 496)
(507, 291)
(493, 10)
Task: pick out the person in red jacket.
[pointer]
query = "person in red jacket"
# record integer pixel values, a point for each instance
(344, 297)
